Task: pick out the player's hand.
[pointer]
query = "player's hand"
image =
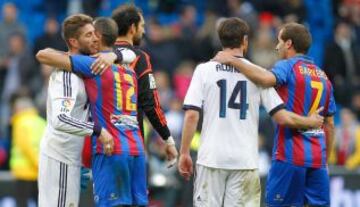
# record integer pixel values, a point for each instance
(102, 62)
(223, 57)
(171, 152)
(185, 166)
(107, 140)
(315, 119)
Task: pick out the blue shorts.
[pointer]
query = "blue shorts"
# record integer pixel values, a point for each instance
(119, 180)
(291, 185)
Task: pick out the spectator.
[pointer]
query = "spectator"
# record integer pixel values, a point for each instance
(27, 130)
(8, 26)
(182, 78)
(342, 63)
(51, 38)
(346, 148)
(206, 41)
(41, 94)
(164, 89)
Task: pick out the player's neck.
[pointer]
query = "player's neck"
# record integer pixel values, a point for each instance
(124, 39)
(239, 52)
(292, 53)
(73, 51)
(105, 48)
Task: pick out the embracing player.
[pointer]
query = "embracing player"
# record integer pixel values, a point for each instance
(298, 175)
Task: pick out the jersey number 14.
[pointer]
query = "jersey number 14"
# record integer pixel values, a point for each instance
(239, 90)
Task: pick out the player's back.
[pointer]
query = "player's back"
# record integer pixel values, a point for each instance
(304, 89)
(230, 104)
(113, 98)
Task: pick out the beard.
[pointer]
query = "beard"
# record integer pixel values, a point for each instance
(137, 40)
(86, 51)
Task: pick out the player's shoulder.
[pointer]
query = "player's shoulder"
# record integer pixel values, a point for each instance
(284, 63)
(62, 76)
(206, 65)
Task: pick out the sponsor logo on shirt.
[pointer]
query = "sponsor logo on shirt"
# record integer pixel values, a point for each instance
(152, 81)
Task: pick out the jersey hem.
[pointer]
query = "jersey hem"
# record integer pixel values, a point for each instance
(296, 163)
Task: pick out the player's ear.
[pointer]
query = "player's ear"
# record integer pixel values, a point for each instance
(288, 44)
(133, 28)
(73, 43)
(246, 41)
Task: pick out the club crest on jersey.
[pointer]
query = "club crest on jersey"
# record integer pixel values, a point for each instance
(152, 81)
(66, 105)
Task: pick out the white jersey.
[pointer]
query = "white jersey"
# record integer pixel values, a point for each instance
(67, 115)
(230, 104)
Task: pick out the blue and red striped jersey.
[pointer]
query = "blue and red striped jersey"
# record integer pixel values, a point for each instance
(113, 104)
(304, 88)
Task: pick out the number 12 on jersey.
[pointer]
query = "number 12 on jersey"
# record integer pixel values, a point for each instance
(239, 89)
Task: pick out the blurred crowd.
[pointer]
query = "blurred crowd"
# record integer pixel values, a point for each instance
(179, 35)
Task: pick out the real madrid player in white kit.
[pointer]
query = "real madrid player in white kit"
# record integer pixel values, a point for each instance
(67, 115)
(226, 168)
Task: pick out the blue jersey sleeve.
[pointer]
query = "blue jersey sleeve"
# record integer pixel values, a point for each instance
(81, 64)
(281, 70)
(332, 105)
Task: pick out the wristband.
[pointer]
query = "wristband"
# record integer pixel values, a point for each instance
(170, 141)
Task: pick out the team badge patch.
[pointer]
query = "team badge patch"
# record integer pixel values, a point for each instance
(66, 105)
(152, 81)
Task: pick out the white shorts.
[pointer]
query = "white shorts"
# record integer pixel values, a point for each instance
(228, 188)
(59, 183)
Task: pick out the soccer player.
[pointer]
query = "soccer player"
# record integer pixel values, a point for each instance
(226, 170)
(67, 115)
(131, 29)
(298, 174)
(121, 178)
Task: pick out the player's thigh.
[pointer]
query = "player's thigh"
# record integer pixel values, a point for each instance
(209, 186)
(59, 183)
(317, 189)
(243, 189)
(285, 185)
(138, 180)
(111, 177)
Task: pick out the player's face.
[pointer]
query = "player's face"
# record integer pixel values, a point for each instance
(139, 32)
(280, 47)
(88, 42)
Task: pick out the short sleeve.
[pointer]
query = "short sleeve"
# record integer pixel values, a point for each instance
(281, 70)
(331, 109)
(194, 96)
(81, 64)
(271, 100)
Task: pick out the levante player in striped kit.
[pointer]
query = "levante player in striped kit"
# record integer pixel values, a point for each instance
(119, 179)
(298, 175)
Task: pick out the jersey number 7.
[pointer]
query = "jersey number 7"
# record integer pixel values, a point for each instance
(239, 89)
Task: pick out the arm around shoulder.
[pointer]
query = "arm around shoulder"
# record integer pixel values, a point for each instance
(55, 58)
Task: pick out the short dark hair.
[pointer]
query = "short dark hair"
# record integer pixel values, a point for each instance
(299, 35)
(232, 32)
(108, 29)
(125, 16)
(72, 25)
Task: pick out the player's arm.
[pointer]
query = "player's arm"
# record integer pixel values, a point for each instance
(329, 128)
(255, 73)
(275, 107)
(59, 59)
(292, 120)
(63, 99)
(193, 105)
(149, 98)
(55, 58)
(191, 120)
